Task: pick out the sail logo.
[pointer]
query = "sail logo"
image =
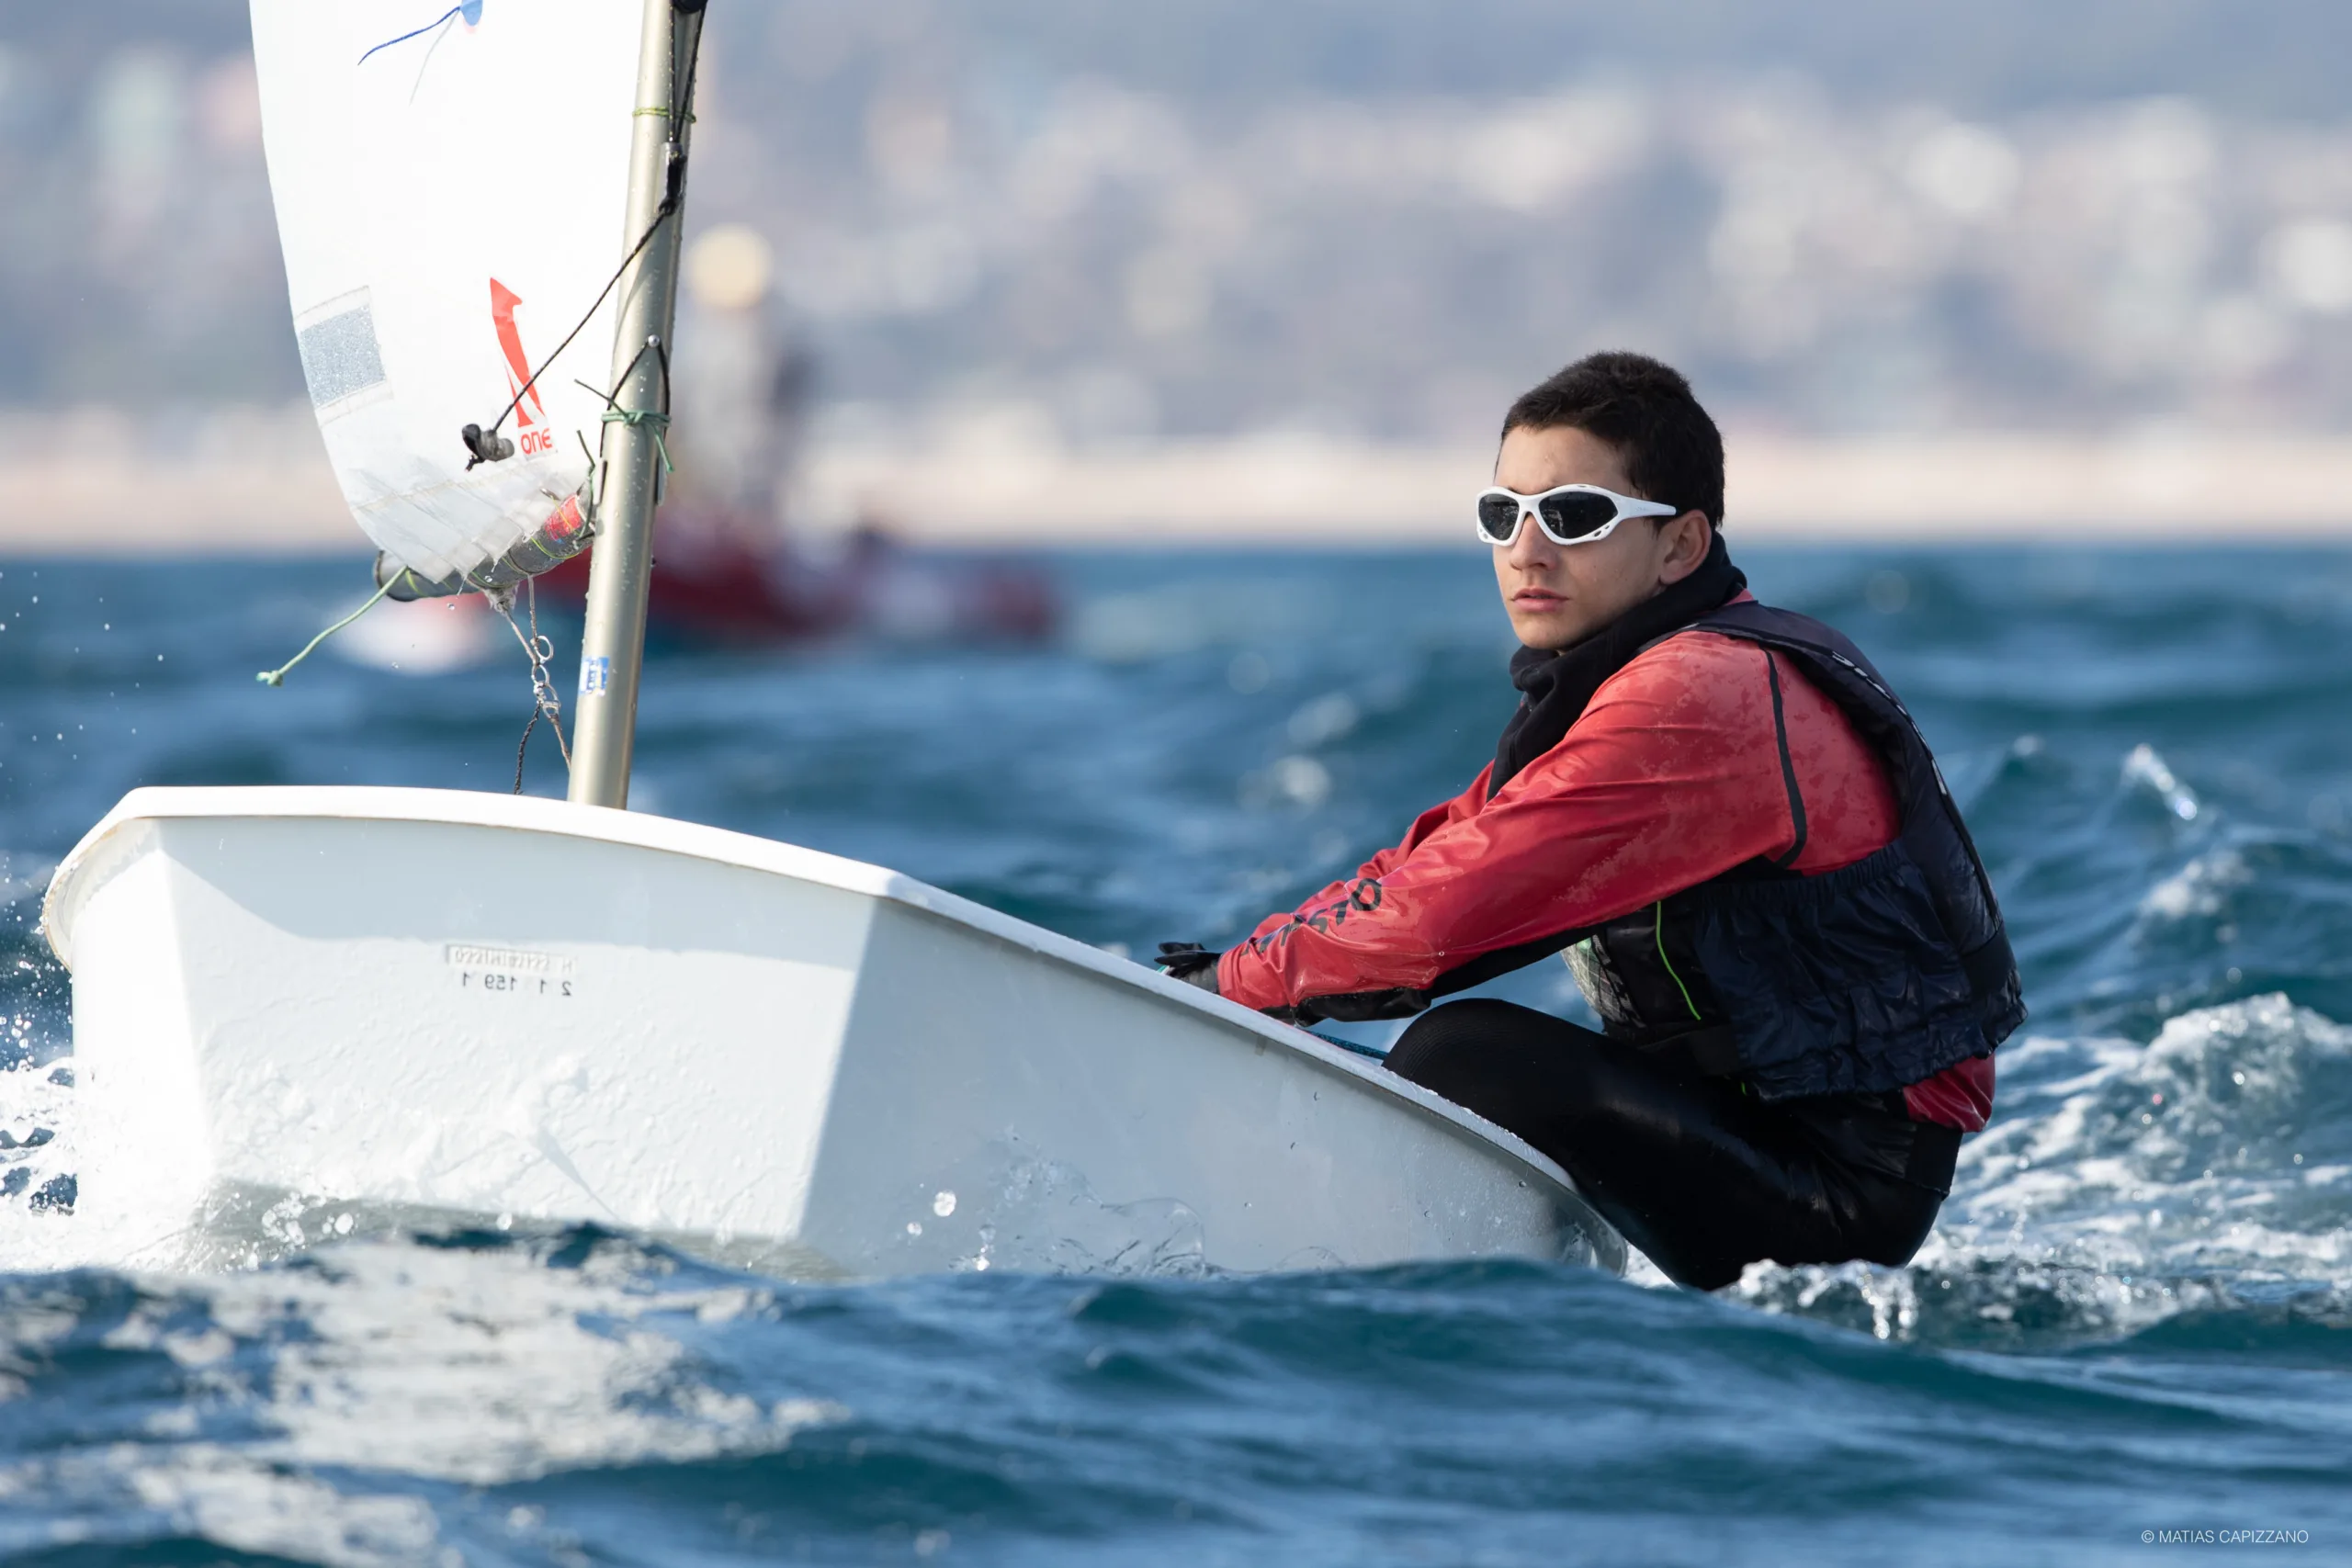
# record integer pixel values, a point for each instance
(530, 413)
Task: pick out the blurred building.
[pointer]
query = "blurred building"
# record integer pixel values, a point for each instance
(1087, 228)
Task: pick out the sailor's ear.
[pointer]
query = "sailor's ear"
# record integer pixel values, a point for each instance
(1683, 542)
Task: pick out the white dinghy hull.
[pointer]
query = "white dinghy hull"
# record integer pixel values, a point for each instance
(497, 1006)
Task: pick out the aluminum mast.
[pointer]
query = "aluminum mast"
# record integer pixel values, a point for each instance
(611, 647)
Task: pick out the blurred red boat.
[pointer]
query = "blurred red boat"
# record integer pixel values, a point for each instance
(725, 569)
(715, 582)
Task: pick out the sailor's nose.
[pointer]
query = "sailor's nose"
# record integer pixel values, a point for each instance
(1531, 551)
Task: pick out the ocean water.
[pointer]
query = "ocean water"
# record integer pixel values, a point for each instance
(2131, 1336)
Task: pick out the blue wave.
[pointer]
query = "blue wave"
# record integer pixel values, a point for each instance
(2135, 1314)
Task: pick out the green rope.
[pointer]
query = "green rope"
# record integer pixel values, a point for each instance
(591, 473)
(278, 677)
(1671, 975)
(652, 420)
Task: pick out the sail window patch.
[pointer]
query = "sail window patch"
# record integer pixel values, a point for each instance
(340, 359)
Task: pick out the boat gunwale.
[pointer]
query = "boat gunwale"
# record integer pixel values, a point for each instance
(696, 841)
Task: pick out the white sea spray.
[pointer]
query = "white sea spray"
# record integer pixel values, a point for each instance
(2123, 1184)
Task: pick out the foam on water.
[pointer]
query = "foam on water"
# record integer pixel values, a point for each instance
(2123, 1184)
(477, 1365)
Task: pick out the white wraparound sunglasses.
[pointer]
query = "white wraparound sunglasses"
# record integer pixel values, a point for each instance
(1568, 515)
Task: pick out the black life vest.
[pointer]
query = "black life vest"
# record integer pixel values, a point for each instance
(1861, 980)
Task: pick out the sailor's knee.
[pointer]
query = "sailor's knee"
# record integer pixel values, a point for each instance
(1429, 1038)
(1460, 1040)
(1896, 1231)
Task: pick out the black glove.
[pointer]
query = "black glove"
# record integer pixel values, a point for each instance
(1190, 962)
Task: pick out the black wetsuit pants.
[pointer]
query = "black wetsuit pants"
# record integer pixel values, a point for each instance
(1703, 1177)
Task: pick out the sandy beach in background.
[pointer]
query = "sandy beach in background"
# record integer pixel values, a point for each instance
(96, 481)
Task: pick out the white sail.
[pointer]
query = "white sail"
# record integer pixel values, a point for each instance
(451, 184)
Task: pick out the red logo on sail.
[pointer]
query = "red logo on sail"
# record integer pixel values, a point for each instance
(530, 411)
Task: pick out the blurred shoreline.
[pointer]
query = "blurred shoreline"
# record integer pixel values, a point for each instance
(98, 482)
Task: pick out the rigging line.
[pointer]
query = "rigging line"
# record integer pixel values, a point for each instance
(661, 353)
(278, 677)
(659, 217)
(651, 418)
(523, 746)
(662, 214)
(417, 33)
(545, 647)
(655, 420)
(540, 651)
(594, 480)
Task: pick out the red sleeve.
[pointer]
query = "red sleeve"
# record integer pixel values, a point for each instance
(1466, 804)
(1960, 1096)
(1672, 776)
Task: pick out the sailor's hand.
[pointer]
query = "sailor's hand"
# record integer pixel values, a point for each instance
(1189, 961)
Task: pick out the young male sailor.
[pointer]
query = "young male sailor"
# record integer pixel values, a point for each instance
(1727, 818)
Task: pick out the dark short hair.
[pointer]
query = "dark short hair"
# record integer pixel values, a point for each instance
(1673, 451)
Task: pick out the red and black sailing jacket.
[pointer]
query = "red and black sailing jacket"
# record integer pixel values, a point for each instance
(1750, 855)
